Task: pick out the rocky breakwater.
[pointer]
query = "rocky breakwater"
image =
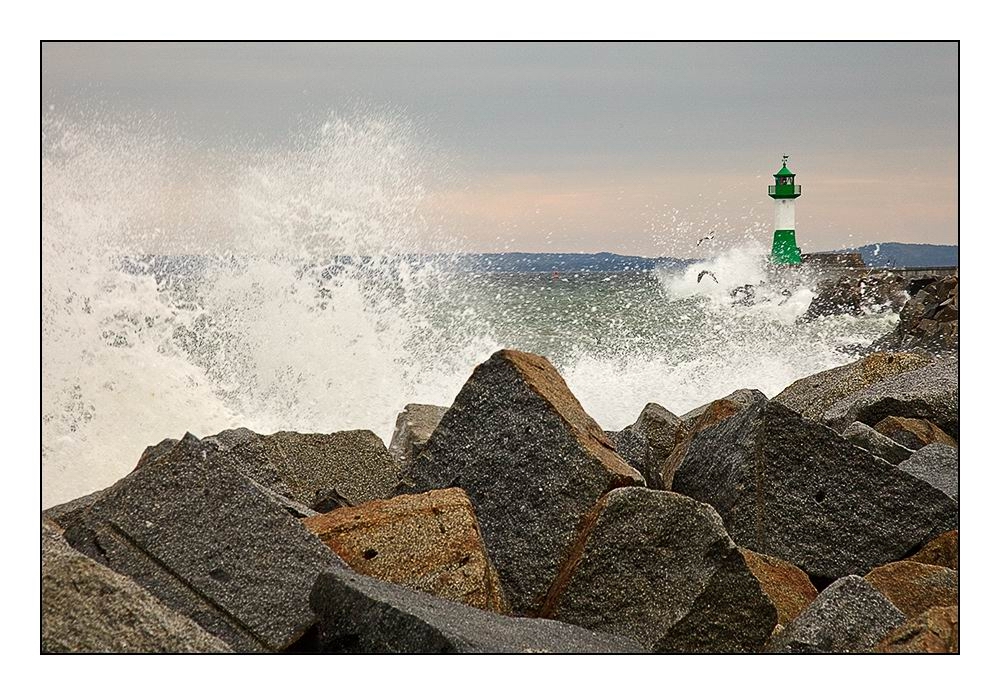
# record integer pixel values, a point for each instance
(511, 522)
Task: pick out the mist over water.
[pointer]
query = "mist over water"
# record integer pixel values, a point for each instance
(307, 313)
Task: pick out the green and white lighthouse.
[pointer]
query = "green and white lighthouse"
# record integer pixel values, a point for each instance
(784, 250)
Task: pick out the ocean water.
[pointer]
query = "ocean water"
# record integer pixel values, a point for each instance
(311, 315)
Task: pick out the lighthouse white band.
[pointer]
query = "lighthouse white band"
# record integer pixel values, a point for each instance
(784, 214)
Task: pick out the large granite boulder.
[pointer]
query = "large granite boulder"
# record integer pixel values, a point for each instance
(913, 433)
(930, 393)
(860, 434)
(414, 426)
(792, 488)
(941, 550)
(813, 395)
(430, 542)
(532, 462)
(786, 585)
(362, 615)
(87, 608)
(646, 444)
(938, 465)
(210, 544)
(932, 632)
(305, 468)
(69, 513)
(849, 616)
(659, 568)
(914, 587)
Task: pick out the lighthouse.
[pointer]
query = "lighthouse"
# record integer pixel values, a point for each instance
(784, 250)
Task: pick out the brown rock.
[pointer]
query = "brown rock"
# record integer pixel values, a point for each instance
(786, 585)
(430, 542)
(913, 587)
(941, 551)
(813, 395)
(932, 632)
(913, 433)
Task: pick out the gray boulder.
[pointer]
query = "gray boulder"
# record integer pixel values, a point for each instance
(303, 468)
(532, 462)
(659, 568)
(87, 608)
(792, 488)
(849, 616)
(930, 392)
(414, 426)
(646, 444)
(210, 544)
(813, 395)
(69, 513)
(860, 434)
(362, 615)
(938, 465)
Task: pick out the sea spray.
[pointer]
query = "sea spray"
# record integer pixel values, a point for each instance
(277, 288)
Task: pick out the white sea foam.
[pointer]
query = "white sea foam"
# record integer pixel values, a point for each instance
(308, 316)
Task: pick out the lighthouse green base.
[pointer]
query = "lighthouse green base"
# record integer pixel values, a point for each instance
(784, 251)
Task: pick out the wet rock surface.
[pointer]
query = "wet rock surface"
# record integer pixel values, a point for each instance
(659, 568)
(849, 616)
(532, 462)
(792, 488)
(210, 544)
(361, 615)
(430, 542)
(87, 608)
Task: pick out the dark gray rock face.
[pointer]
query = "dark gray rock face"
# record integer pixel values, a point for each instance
(877, 443)
(414, 426)
(646, 444)
(532, 462)
(853, 293)
(69, 513)
(849, 616)
(304, 468)
(792, 488)
(930, 393)
(659, 568)
(210, 544)
(361, 615)
(813, 395)
(928, 321)
(938, 465)
(87, 608)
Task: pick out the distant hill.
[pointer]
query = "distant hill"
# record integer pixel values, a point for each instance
(897, 255)
(562, 262)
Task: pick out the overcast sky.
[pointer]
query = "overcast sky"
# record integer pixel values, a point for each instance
(625, 147)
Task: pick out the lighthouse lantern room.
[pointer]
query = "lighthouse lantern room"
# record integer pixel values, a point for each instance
(784, 250)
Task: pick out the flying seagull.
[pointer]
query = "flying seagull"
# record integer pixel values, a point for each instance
(708, 273)
(711, 235)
